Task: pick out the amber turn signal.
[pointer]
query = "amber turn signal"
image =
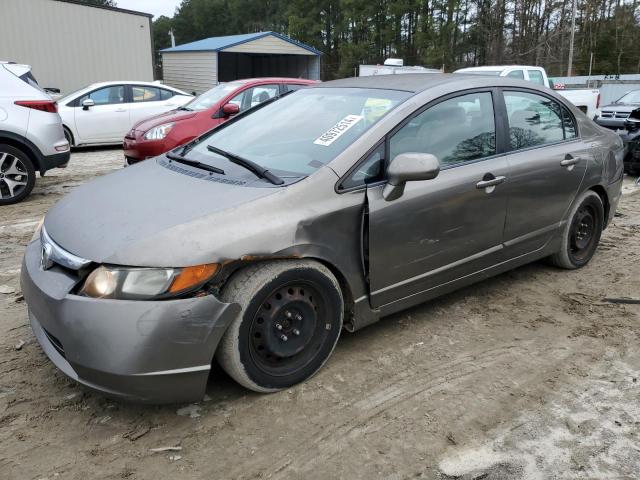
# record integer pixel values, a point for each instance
(192, 276)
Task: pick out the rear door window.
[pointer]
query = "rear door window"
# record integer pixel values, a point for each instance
(535, 76)
(263, 93)
(145, 94)
(536, 120)
(516, 74)
(165, 94)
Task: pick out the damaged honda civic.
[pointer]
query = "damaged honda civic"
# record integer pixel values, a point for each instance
(256, 244)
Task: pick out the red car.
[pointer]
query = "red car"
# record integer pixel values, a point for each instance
(160, 133)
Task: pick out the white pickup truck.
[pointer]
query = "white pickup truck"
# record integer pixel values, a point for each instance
(586, 99)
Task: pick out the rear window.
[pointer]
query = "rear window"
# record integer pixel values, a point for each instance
(23, 73)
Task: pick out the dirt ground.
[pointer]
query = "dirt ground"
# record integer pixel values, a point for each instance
(530, 375)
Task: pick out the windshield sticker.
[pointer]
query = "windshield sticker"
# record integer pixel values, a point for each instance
(335, 132)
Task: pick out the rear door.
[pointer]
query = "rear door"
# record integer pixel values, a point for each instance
(441, 229)
(107, 120)
(547, 161)
(147, 101)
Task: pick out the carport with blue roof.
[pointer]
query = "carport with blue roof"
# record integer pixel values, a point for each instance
(199, 65)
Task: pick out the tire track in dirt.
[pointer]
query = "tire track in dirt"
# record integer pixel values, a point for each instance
(316, 449)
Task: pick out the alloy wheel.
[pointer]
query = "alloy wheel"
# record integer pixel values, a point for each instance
(13, 176)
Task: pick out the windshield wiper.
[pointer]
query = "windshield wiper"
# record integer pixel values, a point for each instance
(259, 170)
(183, 108)
(193, 163)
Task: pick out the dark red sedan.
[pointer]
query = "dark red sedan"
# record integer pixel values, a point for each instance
(160, 133)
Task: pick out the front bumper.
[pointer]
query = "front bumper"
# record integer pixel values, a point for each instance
(144, 351)
(611, 122)
(138, 149)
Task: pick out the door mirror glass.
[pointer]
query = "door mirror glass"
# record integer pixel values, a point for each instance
(87, 103)
(408, 167)
(230, 109)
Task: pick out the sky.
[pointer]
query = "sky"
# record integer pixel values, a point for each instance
(155, 7)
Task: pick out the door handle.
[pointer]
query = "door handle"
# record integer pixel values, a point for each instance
(490, 182)
(121, 110)
(568, 162)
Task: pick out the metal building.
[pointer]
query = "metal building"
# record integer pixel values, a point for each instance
(198, 66)
(70, 45)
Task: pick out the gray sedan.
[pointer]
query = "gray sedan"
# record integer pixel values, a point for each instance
(257, 243)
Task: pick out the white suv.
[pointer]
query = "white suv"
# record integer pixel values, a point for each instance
(31, 134)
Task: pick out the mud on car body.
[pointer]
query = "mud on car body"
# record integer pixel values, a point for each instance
(257, 243)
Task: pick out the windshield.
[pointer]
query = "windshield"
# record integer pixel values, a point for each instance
(631, 97)
(213, 96)
(303, 131)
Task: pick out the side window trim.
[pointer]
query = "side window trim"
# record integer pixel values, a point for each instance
(508, 150)
(338, 186)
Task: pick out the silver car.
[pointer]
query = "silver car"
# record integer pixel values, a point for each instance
(331, 208)
(31, 135)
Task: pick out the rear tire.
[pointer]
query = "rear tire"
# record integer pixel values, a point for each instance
(289, 324)
(582, 232)
(69, 136)
(17, 175)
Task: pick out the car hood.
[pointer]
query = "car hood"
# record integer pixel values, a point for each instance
(619, 107)
(166, 117)
(151, 215)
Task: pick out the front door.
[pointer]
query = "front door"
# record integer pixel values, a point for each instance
(547, 163)
(107, 120)
(449, 227)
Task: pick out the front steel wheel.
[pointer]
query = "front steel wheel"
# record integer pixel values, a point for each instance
(582, 232)
(289, 324)
(17, 175)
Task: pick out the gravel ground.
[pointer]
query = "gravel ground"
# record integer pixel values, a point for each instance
(529, 375)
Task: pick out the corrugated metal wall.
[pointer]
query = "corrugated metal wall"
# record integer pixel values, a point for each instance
(190, 71)
(70, 46)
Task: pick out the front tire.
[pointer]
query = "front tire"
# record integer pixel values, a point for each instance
(17, 175)
(289, 324)
(581, 234)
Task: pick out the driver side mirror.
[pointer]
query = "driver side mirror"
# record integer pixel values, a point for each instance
(230, 109)
(409, 167)
(87, 103)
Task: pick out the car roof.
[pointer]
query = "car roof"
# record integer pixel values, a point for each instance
(493, 68)
(129, 82)
(273, 80)
(408, 82)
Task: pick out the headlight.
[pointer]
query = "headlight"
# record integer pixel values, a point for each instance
(159, 132)
(144, 283)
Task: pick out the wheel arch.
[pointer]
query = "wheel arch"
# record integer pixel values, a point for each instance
(23, 145)
(604, 197)
(231, 268)
(66, 128)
